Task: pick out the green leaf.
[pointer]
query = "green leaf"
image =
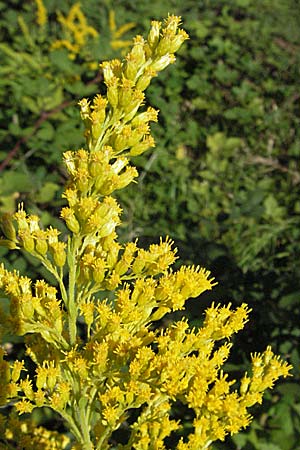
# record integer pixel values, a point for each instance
(15, 181)
(46, 132)
(290, 300)
(60, 59)
(269, 446)
(47, 192)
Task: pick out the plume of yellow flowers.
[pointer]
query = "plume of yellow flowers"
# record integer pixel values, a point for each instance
(76, 29)
(97, 359)
(117, 33)
(41, 13)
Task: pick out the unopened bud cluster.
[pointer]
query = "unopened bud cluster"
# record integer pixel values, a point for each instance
(113, 120)
(23, 230)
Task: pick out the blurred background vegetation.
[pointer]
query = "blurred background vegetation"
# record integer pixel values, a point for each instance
(224, 179)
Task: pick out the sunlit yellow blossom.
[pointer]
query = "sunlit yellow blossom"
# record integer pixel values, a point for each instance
(117, 33)
(24, 406)
(76, 29)
(17, 368)
(41, 13)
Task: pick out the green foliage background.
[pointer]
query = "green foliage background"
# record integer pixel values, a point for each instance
(224, 180)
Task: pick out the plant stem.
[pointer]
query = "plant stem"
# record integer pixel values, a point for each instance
(72, 307)
(73, 427)
(84, 422)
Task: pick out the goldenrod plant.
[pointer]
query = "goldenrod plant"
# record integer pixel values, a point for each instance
(102, 359)
(76, 30)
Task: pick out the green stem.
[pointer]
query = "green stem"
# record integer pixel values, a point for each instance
(91, 396)
(103, 437)
(73, 427)
(84, 424)
(59, 278)
(72, 307)
(57, 338)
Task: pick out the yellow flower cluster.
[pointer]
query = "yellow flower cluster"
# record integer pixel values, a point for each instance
(76, 29)
(99, 359)
(116, 33)
(27, 436)
(113, 120)
(41, 13)
(32, 309)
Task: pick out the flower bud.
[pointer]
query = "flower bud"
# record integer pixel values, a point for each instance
(138, 265)
(41, 244)
(97, 165)
(27, 306)
(113, 281)
(41, 377)
(177, 41)
(164, 45)
(138, 50)
(107, 70)
(145, 79)
(52, 375)
(125, 93)
(142, 146)
(8, 244)
(98, 271)
(131, 108)
(131, 67)
(108, 228)
(112, 92)
(58, 253)
(20, 217)
(27, 241)
(162, 62)
(69, 162)
(126, 178)
(120, 142)
(153, 36)
(7, 227)
(69, 217)
(83, 180)
(135, 59)
(138, 133)
(18, 366)
(245, 383)
(122, 267)
(85, 111)
(112, 254)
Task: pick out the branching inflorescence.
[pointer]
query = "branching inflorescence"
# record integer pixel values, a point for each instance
(97, 355)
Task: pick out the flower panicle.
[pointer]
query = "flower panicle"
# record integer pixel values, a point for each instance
(76, 29)
(34, 307)
(126, 81)
(22, 230)
(41, 13)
